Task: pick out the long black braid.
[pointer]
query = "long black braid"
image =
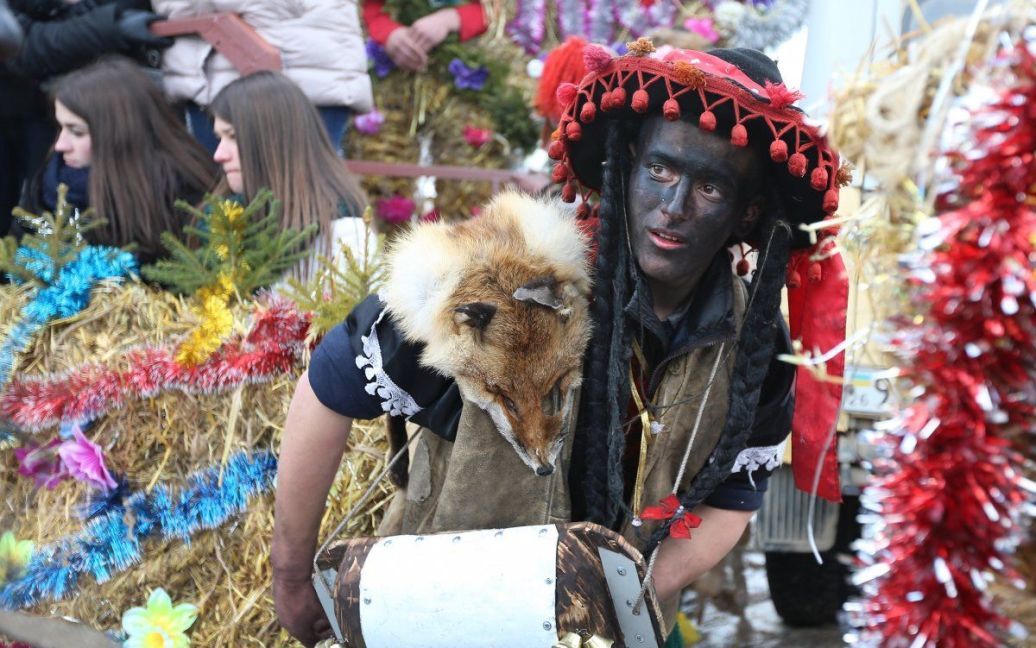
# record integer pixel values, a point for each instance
(596, 471)
(754, 352)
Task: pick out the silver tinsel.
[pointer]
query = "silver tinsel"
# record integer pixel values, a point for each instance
(750, 27)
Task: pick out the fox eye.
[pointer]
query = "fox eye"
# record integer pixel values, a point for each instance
(510, 405)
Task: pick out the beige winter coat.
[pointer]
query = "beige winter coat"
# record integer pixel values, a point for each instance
(320, 42)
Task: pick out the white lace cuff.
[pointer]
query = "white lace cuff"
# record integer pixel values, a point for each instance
(752, 459)
(394, 400)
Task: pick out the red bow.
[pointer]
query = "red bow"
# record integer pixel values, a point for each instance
(667, 509)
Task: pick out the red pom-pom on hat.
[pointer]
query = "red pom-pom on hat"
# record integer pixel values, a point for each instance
(574, 131)
(707, 121)
(556, 150)
(797, 165)
(587, 112)
(583, 211)
(640, 101)
(596, 58)
(739, 135)
(780, 95)
(818, 179)
(779, 151)
(560, 172)
(830, 201)
(566, 94)
(671, 109)
(568, 192)
(619, 97)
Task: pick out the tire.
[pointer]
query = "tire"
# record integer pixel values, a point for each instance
(804, 593)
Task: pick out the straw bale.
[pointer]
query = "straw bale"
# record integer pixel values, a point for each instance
(226, 572)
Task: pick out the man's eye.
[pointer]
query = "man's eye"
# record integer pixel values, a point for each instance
(657, 170)
(710, 190)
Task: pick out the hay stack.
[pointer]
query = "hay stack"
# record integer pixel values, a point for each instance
(225, 572)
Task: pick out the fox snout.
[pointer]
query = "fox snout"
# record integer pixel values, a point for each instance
(545, 470)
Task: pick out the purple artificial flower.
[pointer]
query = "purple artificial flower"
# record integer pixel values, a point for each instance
(468, 78)
(369, 123)
(396, 209)
(377, 55)
(42, 463)
(84, 460)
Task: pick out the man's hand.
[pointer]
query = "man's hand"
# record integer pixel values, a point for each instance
(433, 29)
(404, 50)
(133, 27)
(298, 609)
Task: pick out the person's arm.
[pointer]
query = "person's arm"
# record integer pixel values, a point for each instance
(472, 20)
(379, 24)
(681, 561)
(313, 442)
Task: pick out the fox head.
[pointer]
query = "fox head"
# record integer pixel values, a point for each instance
(500, 303)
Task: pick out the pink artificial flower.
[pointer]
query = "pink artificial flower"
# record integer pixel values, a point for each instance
(84, 460)
(41, 463)
(703, 27)
(396, 209)
(430, 217)
(369, 123)
(477, 136)
(476, 211)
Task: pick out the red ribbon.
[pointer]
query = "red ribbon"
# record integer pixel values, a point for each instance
(669, 508)
(816, 317)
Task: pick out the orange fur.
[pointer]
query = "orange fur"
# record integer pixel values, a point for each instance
(522, 364)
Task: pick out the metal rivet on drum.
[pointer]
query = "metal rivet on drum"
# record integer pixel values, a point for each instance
(387, 543)
(640, 638)
(499, 534)
(456, 538)
(366, 601)
(543, 532)
(622, 571)
(629, 603)
(550, 581)
(547, 625)
(418, 538)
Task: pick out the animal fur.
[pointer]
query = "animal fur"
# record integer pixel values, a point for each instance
(500, 303)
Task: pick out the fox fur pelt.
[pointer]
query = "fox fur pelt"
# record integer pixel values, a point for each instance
(500, 304)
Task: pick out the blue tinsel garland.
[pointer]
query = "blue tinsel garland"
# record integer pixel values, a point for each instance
(66, 296)
(111, 541)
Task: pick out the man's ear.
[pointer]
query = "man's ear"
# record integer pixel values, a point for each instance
(750, 218)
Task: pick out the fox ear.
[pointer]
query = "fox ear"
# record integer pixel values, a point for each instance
(477, 315)
(542, 291)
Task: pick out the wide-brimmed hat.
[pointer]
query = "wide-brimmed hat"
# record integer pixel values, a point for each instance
(737, 93)
(734, 92)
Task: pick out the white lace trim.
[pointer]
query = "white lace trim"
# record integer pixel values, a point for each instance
(752, 459)
(395, 400)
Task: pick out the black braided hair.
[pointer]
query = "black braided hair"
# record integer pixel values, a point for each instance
(596, 470)
(754, 352)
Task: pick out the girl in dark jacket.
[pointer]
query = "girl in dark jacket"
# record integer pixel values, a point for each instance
(122, 151)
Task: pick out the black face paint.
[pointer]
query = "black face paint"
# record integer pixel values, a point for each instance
(688, 192)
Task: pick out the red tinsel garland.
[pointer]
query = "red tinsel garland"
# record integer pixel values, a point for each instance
(272, 346)
(947, 506)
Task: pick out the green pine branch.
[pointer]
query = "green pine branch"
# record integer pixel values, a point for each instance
(337, 288)
(244, 242)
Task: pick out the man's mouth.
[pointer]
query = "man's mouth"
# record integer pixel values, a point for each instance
(666, 239)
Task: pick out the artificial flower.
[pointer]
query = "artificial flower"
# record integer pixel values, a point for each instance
(703, 27)
(380, 59)
(159, 624)
(84, 460)
(396, 209)
(369, 123)
(476, 137)
(14, 556)
(431, 216)
(466, 77)
(42, 463)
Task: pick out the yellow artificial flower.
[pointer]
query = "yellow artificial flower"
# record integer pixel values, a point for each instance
(14, 556)
(160, 624)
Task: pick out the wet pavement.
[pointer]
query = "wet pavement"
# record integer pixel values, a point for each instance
(760, 627)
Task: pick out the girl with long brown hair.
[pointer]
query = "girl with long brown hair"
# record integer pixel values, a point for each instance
(122, 151)
(272, 137)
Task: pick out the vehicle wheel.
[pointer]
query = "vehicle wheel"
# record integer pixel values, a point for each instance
(805, 593)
